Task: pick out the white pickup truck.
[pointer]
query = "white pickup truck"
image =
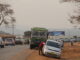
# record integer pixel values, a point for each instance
(2, 43)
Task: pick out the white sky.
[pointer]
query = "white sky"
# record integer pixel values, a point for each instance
(41, 13)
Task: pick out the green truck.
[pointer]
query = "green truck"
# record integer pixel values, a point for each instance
(37, 35)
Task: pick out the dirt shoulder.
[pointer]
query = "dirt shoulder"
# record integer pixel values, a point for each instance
(69, 53)
(36, 56)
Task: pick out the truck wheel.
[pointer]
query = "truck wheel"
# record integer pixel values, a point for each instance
(31, 46)
(59, 57)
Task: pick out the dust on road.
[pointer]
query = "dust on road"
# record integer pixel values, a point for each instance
(36, 56)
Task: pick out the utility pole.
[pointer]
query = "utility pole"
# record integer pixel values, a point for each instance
(13, 26)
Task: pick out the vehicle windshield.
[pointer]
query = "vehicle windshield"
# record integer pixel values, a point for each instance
(53, 44)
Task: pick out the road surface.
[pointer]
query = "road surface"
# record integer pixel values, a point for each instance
(18, 52)
(22, 52)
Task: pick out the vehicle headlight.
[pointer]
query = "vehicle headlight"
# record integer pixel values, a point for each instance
(45, 47)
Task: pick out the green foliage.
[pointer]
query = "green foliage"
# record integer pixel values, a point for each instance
(39, 29)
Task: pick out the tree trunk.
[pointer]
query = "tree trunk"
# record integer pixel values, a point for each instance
(2, 19)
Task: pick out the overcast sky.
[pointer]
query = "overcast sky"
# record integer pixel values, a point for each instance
(41, 13)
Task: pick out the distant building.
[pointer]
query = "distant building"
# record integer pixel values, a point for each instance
(6, 35)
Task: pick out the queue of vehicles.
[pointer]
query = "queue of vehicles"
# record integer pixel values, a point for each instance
(6, 42)
(52, 47)
(10, 42)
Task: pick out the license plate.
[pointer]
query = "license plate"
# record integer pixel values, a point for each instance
(51, 53)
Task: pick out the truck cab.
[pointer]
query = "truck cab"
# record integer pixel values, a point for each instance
(37, 36)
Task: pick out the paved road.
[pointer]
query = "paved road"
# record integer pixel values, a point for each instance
(10, 51)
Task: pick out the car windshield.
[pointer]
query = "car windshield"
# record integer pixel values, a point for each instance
(53, 44)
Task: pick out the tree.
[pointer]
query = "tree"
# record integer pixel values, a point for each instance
(5, 11)
(13, 20)
(74, 19)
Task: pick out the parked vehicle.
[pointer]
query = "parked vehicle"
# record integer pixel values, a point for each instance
(37, 36)
(73, 39)
(9, 41)
(2, 43)
(52, 48)
(78, 39)
(61, 42)
(66, 40)
(18, 41)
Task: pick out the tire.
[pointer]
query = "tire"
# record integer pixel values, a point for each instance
(31, 46)
(59, 57)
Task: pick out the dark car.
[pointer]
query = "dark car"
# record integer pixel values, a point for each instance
(2, 43)
(18, 41)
